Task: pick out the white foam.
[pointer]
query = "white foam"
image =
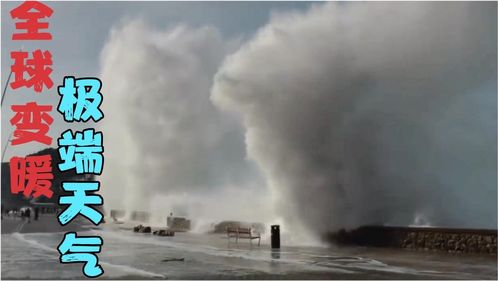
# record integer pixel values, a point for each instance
(130, 270)
(22, 237)
(213, 251)
(123, 268)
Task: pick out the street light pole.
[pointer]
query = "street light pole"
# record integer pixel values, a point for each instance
(5, 88)
(1, 104)
(6, 146)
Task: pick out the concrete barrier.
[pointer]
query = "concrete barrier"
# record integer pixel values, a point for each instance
(482, 241)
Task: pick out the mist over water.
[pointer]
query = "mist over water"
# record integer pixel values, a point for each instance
(168, 148)
(372, 113)
(347, 114)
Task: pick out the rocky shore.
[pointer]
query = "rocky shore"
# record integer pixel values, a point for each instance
(477, 241)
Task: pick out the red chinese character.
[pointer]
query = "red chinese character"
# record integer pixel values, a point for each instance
(38, 69)
(31, 12)
(32, 123)
(31, 175)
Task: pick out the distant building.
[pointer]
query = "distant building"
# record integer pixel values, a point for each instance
(177, 223)
(10, 201)
(140, 216)
(117, 214)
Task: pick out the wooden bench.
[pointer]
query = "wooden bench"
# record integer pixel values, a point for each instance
(242, 233)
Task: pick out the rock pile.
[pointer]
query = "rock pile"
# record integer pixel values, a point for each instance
(142, 229)
(164, 232)
(450, 242)
(147, 229)
(478, 241)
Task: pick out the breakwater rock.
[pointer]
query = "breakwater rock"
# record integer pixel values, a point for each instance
(142, 229)
(482, 241)
(163, 232)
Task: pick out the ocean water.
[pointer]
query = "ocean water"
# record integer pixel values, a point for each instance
(128, 255)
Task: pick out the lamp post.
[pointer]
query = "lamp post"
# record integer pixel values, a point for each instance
(1, 104)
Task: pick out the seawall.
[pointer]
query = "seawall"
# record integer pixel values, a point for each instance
(478, 241)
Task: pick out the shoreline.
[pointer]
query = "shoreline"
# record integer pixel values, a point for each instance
(46, 223)
(132, 255)
(436, 239)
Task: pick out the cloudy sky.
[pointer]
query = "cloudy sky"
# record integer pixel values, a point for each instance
(322, 116)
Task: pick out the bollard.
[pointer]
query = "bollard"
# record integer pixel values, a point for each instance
(275, 237)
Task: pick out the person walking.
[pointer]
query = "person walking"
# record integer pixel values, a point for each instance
(28, 214)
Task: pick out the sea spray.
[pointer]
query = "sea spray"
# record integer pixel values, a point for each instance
(371, 113)
(173, 151)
